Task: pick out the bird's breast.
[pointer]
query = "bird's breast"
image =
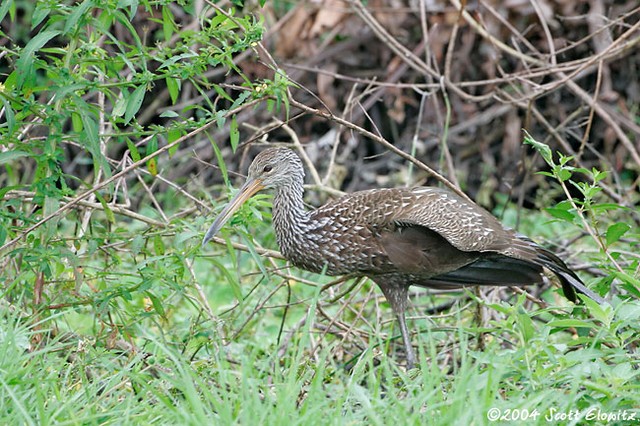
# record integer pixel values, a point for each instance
(334, 246)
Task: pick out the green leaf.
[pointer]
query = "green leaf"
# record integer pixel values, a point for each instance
(92, 138)
(42, 169)
(217, 20)
(146, 284)
(604, 207)
(169, 114)
(220, 158)
(562, 173)
(603, 313)
(627, 278)
(107, 211)
(136, 244)
(240, 100)
(177, 58)
(158, 245)
(125, 21)
(72, 20)
(9, 115)
(152, 147)
(152, 166)
(254, 254)
(8, 156)
(120, 106)
(173, 135)
(629, 283)
(231, 279)
(542, 148)
(580, 170)
(133, 7)
(3, 234)
(133, 149)
(41, 11)
(76, 122)
(287, 106)
(134, 103)
(24, 65)
(526, 326)
(4, 8)
(234, 134)
(220, 118)
(615, 231)
(156, 302)
(565, 323)
(547, 174)
(220, 91)
(560, 213)
(598, 175)
(168, 25)
(173, 86)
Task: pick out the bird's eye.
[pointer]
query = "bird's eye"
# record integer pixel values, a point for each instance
(267, 168)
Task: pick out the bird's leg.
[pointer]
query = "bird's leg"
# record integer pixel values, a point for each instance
(396, 292)
(408, 348)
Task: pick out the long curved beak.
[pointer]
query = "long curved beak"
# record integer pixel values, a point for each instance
(250, 187)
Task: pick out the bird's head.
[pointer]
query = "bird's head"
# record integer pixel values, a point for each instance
(275, 168)
(272, 168)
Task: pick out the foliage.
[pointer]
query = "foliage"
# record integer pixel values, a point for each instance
(605, 222)
(110, 312)
(75, 92)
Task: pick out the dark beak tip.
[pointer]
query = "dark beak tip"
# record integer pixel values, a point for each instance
(211, 232)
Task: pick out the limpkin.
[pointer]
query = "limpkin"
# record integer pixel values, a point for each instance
(398, 237)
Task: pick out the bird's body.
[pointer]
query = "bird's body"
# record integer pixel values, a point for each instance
(388, 231)
(398, 237)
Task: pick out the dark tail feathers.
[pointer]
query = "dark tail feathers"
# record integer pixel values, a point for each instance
(570, 281)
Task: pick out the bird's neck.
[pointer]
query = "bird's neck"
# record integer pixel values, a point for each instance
(289, 212)
(290, 219)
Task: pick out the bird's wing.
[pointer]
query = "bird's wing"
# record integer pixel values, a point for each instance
(468, 227)
(490, 270)
(465, 225)
(420, 251)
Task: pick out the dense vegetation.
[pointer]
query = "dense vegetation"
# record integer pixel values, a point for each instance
(123, 126)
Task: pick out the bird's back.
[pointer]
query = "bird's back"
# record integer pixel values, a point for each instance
(424, 236)
(422, 231)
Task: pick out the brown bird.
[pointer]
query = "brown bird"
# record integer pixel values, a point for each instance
(398, 237)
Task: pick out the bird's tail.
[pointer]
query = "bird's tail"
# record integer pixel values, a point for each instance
(569, 280)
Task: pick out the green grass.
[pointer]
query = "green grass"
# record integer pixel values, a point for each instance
(183, 369)
(134, 344)
(111, 313)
